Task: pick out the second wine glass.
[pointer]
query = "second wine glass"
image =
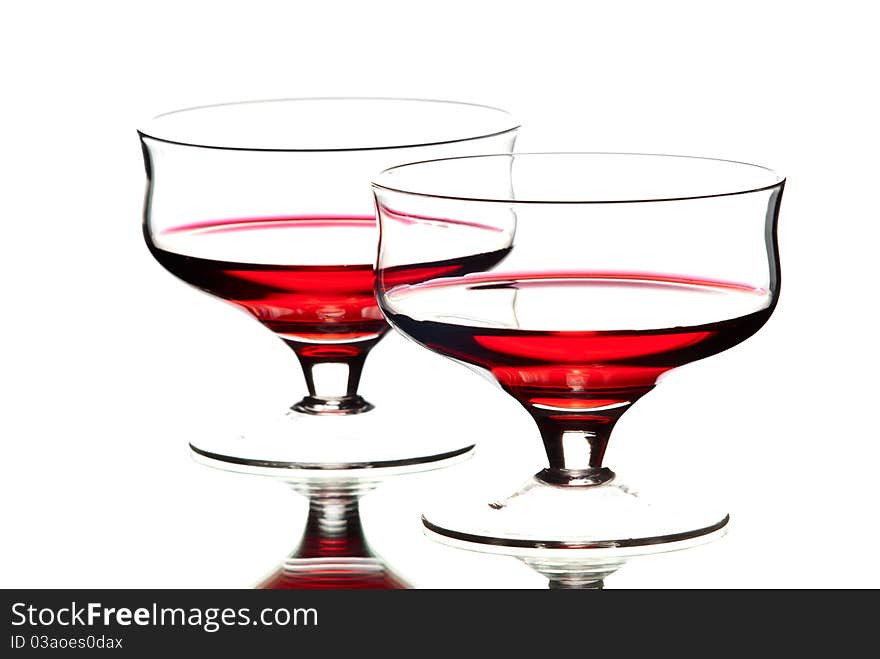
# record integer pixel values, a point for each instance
(618, 268)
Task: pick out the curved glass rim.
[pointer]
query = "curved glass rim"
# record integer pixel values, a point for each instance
(779, 182)
(145, 132)
(567, 545)
(333, 466)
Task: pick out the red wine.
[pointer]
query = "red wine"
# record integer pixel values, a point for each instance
(578, 346)
(307, 301)
(240, 261)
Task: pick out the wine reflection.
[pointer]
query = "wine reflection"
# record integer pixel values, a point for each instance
(333, 552)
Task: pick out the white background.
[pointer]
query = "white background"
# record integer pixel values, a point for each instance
(106, 358)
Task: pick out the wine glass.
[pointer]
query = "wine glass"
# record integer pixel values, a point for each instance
(267, 205)
(617, 268)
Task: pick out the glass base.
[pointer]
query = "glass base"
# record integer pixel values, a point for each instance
(302, 446)
(576, 536)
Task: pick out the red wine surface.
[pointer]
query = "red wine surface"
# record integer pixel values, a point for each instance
(577, 343)
(276, 268)
(281, 271)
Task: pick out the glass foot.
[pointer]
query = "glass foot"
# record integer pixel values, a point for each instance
(576, 536)
(299, 442)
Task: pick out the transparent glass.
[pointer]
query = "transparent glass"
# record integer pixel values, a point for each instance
(591, 276)
(267, 205)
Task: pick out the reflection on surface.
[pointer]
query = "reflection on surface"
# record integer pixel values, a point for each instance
(333, 552)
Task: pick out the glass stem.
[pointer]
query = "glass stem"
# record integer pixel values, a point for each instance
(575, 450)
(576, 433)
(332, 373)
(575, 440)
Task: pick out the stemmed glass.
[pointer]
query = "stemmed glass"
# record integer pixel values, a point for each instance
(617, 268)
(267, 205)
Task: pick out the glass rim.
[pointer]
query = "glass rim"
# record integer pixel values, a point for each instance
(779, 181)
(146, 132)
